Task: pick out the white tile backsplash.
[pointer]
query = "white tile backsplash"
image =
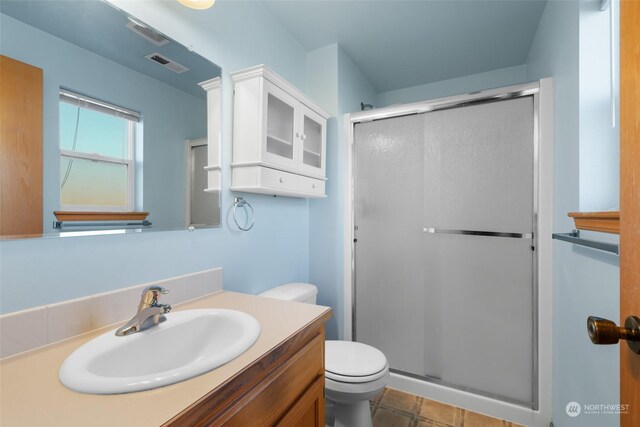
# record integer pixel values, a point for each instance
(177, 290)
(195, 285)
(69, 318)
(212, 278)
(112, 307)
(28, 329)
(22, 331)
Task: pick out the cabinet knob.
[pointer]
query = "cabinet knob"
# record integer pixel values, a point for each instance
(313, 186)
(303, 136)
(298, 135)
(281, 180)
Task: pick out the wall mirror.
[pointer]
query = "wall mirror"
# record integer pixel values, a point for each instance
(123, 121)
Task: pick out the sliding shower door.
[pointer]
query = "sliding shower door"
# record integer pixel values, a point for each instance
(445, 257)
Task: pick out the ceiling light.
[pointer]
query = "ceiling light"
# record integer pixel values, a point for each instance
(198, 4)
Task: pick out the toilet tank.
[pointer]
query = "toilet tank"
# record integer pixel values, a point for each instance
(301, 292)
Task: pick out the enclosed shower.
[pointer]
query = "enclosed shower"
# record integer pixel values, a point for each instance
(445, 244)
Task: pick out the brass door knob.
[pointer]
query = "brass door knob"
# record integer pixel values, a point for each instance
(603, 331)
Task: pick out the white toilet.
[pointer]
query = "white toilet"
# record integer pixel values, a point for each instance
(354, 372)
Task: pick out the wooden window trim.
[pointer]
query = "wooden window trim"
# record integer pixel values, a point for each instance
(606, 222)
(100, 216)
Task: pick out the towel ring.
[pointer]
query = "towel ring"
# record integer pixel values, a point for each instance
(239, 202)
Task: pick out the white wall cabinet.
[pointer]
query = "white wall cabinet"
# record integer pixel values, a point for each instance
(279, 137)
(214, 133)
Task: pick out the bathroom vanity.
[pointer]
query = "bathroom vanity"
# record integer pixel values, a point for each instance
(277, 381)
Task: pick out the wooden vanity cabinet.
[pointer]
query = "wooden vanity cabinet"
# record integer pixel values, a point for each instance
(283, 388)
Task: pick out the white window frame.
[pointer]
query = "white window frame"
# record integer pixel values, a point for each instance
(132, 118)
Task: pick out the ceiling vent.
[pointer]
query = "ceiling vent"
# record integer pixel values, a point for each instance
(147, 33)
(167, 63)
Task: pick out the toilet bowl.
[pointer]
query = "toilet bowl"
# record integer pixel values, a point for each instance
(354, 372)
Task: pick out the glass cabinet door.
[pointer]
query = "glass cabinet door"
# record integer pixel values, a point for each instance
(312, 135)
(280, 139)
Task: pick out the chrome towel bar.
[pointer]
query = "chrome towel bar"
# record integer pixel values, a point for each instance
(59, 225)
(478, 233)
(574, 237)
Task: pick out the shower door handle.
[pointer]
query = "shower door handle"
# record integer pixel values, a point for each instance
(433, 230)
(604, 331)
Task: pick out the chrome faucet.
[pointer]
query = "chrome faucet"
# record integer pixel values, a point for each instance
(150, 313)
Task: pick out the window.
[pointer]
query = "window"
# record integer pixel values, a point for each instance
(97, 142)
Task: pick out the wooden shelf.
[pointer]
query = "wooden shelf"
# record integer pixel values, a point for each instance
(100, 216)
(606, 222)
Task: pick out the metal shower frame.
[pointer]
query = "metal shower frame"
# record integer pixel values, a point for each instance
(350, 120)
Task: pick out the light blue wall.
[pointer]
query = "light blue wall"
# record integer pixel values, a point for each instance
(325, 221)
(354, 87)
(585, 282)
(40, 271)
(554, 53)
(322, 71)
(487, 80)
(169, 116)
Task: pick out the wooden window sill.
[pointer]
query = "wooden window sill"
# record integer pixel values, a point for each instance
(100, 216)
(606, 222)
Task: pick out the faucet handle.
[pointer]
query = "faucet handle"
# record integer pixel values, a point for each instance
(149, 297)
(158, 289)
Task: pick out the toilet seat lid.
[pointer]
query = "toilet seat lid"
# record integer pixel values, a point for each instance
(356, 380)
(348, 361)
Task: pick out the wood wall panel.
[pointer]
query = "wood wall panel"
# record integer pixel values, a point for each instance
(20, 148)
(629, 201)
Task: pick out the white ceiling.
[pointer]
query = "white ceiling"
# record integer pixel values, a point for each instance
(402, 43)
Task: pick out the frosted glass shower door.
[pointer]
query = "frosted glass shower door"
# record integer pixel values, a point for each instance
(444, 259)
(389, 260)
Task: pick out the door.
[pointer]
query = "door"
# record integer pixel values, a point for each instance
(20, 148)
(479, 219)
(312, 135)
(629, 202)
(279, 145)
(444, 208)
(201, 206)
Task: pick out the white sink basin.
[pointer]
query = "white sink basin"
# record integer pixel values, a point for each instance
(187, 344)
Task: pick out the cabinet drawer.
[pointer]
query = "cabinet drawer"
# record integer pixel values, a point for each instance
(272, 398)
(277, 179)
(308, 411)
(310, 185)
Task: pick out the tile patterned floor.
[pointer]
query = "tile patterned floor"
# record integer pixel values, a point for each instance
(394, 408)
